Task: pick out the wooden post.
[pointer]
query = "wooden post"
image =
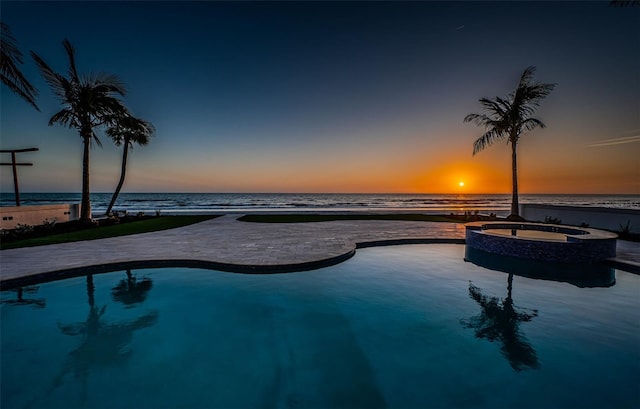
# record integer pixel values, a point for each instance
(14, 166)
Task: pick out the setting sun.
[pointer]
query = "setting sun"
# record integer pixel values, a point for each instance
(461, 184)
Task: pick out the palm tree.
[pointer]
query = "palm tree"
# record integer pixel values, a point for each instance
(508, 118)
(88, 102)
(12, 77)
(127, 130)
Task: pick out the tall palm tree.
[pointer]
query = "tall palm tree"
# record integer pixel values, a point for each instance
(88, 102)
(126, 131)
(12, 77)
(508, 118)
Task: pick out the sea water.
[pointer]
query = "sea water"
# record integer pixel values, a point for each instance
(202, 203)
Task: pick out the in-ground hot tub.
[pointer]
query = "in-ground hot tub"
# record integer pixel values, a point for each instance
(541, 242)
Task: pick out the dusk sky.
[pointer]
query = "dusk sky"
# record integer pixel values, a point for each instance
(334, 96)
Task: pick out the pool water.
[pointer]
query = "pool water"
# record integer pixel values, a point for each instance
(401, 326)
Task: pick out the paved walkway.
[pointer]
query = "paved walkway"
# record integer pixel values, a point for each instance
(230, 244)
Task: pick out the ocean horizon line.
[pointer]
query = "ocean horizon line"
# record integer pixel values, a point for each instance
(330, 193)
(171, 202)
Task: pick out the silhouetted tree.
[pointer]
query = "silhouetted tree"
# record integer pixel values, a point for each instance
(508, 118)
(12, 77)
(127, 130)
(89, 102)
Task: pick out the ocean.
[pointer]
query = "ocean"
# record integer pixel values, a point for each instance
(203, 203)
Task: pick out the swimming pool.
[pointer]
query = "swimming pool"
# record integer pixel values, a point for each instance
(399, 326)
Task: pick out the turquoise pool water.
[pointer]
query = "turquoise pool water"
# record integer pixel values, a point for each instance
(402, 326)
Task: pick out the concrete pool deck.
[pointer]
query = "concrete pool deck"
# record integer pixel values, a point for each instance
(228, 244)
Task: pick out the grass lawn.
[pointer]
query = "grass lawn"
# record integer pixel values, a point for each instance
(101, 232)
(307, 218)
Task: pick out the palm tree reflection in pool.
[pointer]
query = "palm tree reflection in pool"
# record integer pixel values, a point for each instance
(102, 344)
(132, 291)
(500, 321)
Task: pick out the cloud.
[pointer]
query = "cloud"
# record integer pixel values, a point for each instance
(615, 141)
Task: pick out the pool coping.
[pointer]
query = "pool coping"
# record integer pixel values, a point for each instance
(592, 234)
(11, 283)
(223, 243)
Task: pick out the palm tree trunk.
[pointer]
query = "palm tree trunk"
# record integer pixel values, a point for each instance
(85, 206)
(515, 212)
(123, 171)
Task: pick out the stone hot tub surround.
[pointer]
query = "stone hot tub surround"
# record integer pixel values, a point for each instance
(542, 242)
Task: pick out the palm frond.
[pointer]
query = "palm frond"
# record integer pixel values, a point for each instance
(9, 43)
(489, 137)
(96, 140)
(12, 77)
(73, 72)
(64, 117)
(107, 83)
(129, 130)
(16, 82)
(527, 97)
(527, 76)
(539, 91)
(52, 78)
(106, 107)
(530, 124)
(145, 132)
(504, 106)
(478, 119)
(494, 119)
(497, 107)
(113, 83)
(484, 120)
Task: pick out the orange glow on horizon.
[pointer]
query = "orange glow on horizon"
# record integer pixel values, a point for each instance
(438, 171)
(469, 177)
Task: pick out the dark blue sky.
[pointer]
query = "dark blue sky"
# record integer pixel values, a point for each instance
(336, 96)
